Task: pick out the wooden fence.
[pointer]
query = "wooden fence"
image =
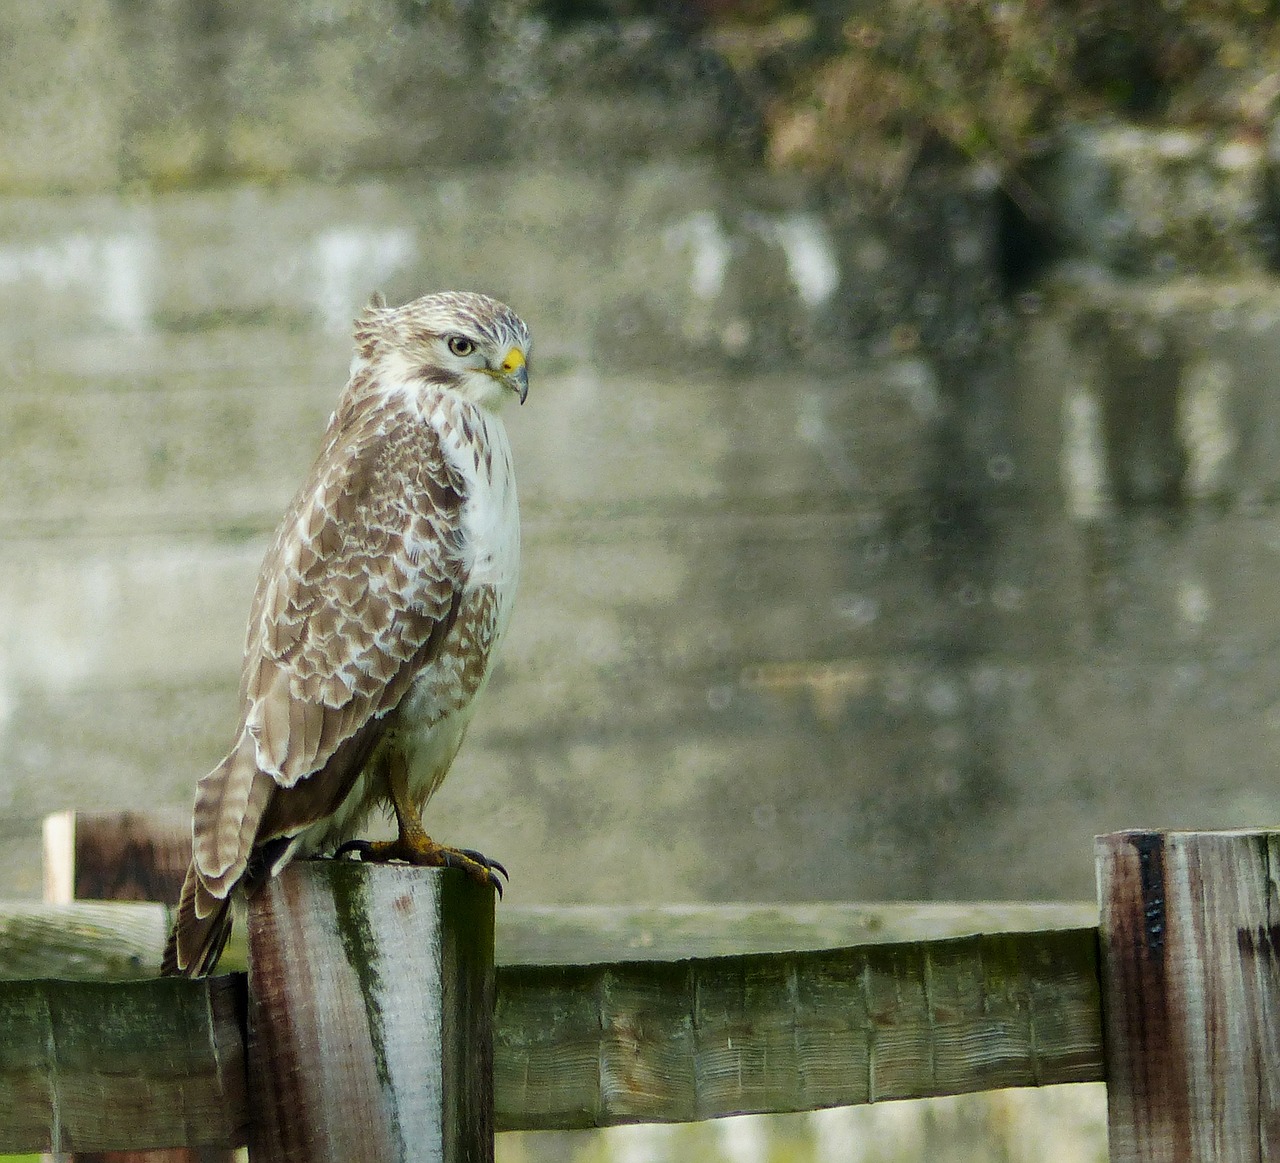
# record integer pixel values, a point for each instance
(373, 1023)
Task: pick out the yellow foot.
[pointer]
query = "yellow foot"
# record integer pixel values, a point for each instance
(426, 853)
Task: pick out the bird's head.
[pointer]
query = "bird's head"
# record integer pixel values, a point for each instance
(457, 340)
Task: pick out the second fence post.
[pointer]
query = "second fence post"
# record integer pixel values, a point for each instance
(371, 994)
(1190, 932)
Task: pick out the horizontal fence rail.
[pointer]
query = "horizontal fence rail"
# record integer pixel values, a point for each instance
(580, 1046)
(91, 1066)
(108, 940)
(596, 1044)
(603, 1016)
(97, 940)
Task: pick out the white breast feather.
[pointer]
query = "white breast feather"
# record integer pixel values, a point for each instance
(490, 523)
(491, 542)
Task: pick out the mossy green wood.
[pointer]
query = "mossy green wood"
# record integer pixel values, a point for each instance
(122, 856)
(371, 994)
(656, 1042)
(587, 1045)
(100, 941)
(106, 1065)
(145, 855)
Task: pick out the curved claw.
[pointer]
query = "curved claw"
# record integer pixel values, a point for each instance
(475, 864)
(471, 861)
(488, 862)
(361, 846)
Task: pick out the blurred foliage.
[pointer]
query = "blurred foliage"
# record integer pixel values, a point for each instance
(861, 87)
(1055, 1124)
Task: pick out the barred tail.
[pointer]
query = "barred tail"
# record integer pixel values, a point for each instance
(199, 933)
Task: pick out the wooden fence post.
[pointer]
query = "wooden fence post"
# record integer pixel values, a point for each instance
(116, 856)
(121, 856)
(1190, 940)
(371, 993)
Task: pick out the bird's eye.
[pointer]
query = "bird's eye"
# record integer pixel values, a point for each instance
(460, 345)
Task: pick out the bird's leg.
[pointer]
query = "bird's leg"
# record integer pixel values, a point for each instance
(412, 844)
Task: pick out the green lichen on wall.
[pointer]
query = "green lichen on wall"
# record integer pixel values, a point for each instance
(860, 88)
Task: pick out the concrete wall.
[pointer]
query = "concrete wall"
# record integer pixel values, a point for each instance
(848, 575)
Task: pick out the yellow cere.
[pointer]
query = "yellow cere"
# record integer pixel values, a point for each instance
(514, 360)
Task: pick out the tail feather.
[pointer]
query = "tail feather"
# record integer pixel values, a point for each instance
(199, 933)
(229, 804)
(230, 801)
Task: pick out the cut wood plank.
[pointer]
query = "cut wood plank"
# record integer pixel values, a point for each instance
(658, 1042)
(98, 941)
(116, 856)
(580, 1046)
(91, 941)
(371, 1008)
(122, 856)
(153, 1155)
(90, 1066)
(1192, 995)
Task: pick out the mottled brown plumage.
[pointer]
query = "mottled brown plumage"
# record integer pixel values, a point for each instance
(378, 610)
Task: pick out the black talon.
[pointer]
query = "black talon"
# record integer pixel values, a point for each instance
(454, 858)
(485, 862)
(470, 861)
(491, 867)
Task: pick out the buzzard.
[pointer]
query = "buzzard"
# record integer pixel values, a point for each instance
(378, 612)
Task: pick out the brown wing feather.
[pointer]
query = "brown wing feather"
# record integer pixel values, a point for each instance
(358, 592)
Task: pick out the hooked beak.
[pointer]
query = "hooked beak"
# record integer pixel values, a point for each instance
(515, 373)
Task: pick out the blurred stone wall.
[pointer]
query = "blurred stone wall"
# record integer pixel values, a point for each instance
(851, 571)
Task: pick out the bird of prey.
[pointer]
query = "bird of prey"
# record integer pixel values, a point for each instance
(378, 612)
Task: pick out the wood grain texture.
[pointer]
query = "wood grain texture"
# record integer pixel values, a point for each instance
(580, 1046)
(131, 856)
(566, 934)
(372, 993)
(121, 856)
(98, 941)
(105, 1066)
(95, 941)
(1189, 929)
(115, 856)
(656, 1042)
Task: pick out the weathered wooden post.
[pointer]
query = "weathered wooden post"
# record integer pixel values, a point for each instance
(1190, 941)
(121, 856)
(115, 856)
(371, 1015)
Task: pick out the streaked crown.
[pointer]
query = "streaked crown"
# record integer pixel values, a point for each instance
(458, 340)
